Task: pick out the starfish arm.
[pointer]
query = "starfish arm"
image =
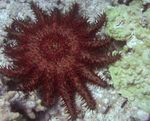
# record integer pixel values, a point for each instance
(68, 98)
(102, 61)
(9, 72)
(47, 92)
(13, 34)
(28, 85)
(48, 95)
(106, 60)
(74, 11)
(83, 91)
(14, 52)
(38, 12)
(92, 77)
(22, 24)
(56, 16)
(99, 24)
(47, 89)
(97, 43)
(20, 73)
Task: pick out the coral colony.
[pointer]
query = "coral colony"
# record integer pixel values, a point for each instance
(57, 55)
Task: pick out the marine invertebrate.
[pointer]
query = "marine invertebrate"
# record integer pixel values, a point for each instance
(57, 55)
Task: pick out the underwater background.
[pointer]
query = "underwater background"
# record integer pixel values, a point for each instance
(128, 22)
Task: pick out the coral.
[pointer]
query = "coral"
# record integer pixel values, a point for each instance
(18, 106)
(130, 76)
(57, 55)
(90, 8)
(126, 21)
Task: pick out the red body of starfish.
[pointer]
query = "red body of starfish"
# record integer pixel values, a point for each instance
(57, 54)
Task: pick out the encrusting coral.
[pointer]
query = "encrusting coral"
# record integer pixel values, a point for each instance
(57, 55)
(130, 76)
(126, 21)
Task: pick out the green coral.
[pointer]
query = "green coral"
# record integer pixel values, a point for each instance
(131, 76)
(125, 21)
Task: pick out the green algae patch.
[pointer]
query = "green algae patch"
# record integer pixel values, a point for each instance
(131, 77)
(126, 21)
